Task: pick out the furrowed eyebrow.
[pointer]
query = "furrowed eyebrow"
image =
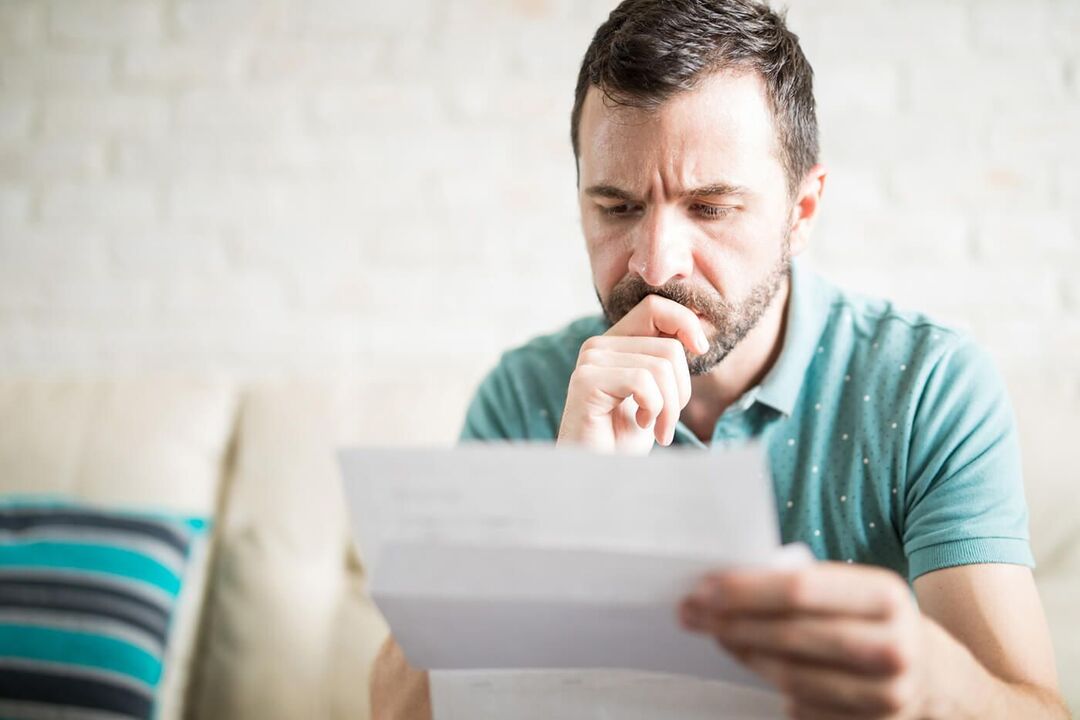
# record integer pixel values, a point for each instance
(713, 190)
(716, 189)
(611, 192)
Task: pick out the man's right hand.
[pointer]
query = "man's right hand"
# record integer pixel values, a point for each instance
(398, 690)
(631, 383)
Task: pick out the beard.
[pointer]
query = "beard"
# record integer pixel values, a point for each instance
(731, 320)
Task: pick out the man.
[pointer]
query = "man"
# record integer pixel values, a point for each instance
(890, 437)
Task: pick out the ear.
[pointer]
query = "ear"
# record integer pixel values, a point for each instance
(804, 211)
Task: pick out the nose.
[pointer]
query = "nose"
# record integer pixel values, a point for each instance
(662, 251)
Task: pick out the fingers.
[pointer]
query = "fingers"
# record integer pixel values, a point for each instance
(820, 691)
(397, 689)
(861, 646)
(663, 357)
(644, 357)
(656, 316)
(605, 388)
(816, 713)
(824, 588)
(664, 376)
(667, 349)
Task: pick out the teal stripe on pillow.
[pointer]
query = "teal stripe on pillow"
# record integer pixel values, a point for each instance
(87, 597)
(91, 558)
(80, 648)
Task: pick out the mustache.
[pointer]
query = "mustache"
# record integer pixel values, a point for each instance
(631, 290)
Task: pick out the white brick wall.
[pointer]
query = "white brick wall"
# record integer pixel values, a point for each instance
(104, 22)
(386, 189)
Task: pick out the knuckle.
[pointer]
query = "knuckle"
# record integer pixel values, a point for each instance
(675, 350)
(665, 376)
(675, 355)
(652, 302)
(589, 356)
(796, 590)
(592, 343)
(655, 365)
(896, 696)
(899, 657)
(644, 381)
(894, 598)
(893, 659)
(581, 374)
(581, 381)
(596, 397)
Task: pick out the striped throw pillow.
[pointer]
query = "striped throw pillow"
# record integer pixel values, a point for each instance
(86, 601)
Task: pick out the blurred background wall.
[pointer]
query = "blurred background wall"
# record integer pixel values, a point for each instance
(384, 191)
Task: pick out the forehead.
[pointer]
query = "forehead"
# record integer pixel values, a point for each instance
(721, 128)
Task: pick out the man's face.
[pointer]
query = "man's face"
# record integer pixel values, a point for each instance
(688, 201)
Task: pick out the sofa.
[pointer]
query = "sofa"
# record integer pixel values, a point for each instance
(276, 623)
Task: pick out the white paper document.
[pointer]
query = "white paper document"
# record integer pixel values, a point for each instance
(548, 579)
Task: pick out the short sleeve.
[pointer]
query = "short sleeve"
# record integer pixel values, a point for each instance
(964, 499)
(495, 412)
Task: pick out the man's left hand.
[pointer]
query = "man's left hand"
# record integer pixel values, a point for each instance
(839, 641)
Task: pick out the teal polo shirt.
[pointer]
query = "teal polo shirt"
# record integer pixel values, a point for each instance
(890, 436)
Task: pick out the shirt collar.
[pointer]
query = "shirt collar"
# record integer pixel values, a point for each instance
(807, 313)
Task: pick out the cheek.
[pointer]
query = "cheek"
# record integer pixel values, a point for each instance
(736, 256)
(609, 256)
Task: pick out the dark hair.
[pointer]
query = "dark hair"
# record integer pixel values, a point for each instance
(649, 50)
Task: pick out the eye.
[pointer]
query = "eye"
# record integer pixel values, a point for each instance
(622, 210)
(711, 211)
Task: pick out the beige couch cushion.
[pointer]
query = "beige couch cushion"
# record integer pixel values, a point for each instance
(1050, 478)
(155, 442)
(289, 632)
(149, 445)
